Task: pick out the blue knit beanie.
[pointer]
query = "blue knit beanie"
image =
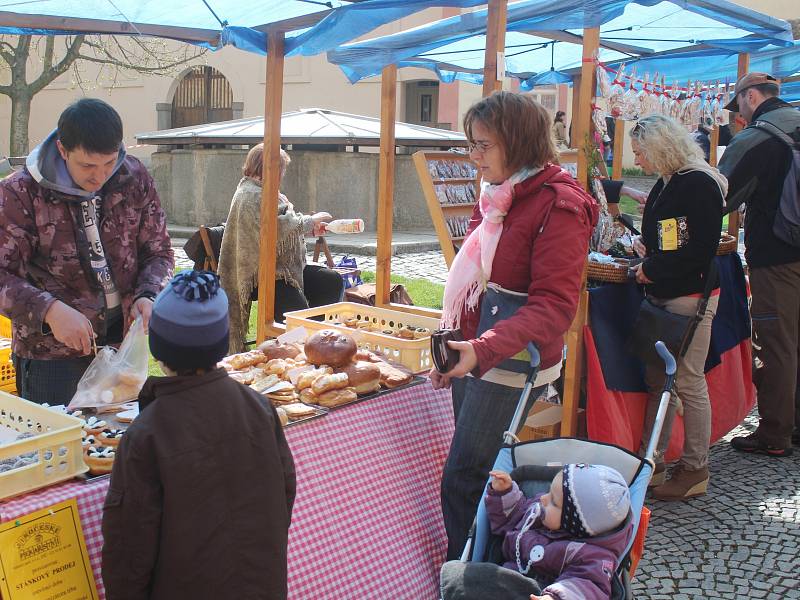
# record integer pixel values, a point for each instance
(596, 500)
(189, 325)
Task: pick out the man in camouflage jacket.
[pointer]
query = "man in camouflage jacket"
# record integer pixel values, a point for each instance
(83, 249)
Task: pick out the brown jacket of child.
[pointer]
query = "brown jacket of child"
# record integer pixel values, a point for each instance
(201, 495)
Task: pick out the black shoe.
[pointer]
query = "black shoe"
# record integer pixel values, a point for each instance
(751, 443)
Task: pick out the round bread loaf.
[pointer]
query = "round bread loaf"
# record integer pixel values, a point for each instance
(364, 376)
(274, 349)
(329, 347)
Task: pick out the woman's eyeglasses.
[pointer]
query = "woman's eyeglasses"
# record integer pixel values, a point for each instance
(481, 147)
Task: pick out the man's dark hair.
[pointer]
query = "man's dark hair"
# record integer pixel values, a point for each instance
(90, 124)
(770, 90)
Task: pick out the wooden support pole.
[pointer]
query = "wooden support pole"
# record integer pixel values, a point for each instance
(573, 122)
(383, 268)
(742, 69)
(713, 138)
(267, 251)
(581, 131)
(619, 144)
(495, 44)
(573, 367)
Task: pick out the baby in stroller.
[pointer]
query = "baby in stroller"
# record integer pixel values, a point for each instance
(562, 545)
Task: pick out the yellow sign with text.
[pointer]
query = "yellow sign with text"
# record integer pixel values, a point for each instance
(43, 556)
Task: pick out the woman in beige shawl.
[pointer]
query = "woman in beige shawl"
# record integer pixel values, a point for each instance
(298, 285)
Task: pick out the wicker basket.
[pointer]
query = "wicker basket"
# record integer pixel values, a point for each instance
(616, 272)
(56, 441)
(727, 245)
(413, 354)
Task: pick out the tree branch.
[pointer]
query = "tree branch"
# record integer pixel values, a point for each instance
(48, 75)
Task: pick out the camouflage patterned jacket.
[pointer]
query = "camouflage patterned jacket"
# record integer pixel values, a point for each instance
(44, 253)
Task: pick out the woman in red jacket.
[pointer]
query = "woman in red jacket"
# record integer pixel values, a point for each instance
(528, 239)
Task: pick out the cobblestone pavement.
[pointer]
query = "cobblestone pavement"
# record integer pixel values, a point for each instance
(740, 540)
(420, 265)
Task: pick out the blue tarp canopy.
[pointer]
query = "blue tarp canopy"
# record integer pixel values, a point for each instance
(544, 37)
(791, 91)
(317, 25)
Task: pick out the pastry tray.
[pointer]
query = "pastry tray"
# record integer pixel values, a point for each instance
(416, 380)
(321, 411)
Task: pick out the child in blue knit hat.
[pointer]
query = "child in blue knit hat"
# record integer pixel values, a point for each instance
(203, 482)
(560, 545)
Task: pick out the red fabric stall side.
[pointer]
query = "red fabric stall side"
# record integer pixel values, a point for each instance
(617, 417)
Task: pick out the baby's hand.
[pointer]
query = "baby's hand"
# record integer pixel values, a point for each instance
(545, 597)
(501, 481)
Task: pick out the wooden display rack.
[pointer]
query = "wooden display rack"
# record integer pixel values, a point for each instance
(451, 185)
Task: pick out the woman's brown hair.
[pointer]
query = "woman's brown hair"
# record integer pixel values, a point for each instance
(254, 163)
(521, 124)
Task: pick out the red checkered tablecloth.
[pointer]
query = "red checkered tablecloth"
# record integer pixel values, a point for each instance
(366, 521)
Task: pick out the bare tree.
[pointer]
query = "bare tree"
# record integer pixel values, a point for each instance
(59, 54)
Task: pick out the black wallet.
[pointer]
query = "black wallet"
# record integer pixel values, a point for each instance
(444, 357)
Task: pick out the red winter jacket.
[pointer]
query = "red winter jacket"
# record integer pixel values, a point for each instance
(552, 210)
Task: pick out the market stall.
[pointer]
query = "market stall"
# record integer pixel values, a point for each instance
(615, 379)
(361, 525)
(352, 530)
(395, 516)
(546, 43)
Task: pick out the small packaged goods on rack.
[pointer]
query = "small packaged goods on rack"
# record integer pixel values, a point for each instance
(457, 226)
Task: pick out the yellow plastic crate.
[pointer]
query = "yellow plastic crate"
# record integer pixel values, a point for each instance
(5, 327)
(57, 442)
(8, 377)
(413, 354)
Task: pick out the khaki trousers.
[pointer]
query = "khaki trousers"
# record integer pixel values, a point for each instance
(690, 387)
(776, 314)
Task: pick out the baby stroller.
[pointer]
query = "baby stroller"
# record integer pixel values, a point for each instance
(534, 464)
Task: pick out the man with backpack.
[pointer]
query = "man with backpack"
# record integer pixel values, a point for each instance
(762, 164)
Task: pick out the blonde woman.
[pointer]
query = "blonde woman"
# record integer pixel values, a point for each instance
(680, 234)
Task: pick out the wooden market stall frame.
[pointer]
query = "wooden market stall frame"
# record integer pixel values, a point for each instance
(493, 64)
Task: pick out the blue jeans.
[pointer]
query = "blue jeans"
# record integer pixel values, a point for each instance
(483, 411)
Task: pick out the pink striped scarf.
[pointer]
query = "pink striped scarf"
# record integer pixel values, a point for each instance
(472, 267)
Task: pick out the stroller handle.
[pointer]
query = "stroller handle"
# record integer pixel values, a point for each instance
(669, 360)
(670, 367)
(509, 437)
(534, 352)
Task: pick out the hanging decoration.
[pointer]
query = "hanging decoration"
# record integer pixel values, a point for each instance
(630, 98)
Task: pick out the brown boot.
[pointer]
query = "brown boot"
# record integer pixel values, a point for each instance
(659, 475)
(682, 484)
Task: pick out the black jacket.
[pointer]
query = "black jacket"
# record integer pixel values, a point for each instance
(692, 202)
(756, 179)
(201, 495)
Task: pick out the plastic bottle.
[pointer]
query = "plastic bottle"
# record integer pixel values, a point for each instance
(345, 226)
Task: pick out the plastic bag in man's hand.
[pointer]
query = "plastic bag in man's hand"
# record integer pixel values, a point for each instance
(115, 376)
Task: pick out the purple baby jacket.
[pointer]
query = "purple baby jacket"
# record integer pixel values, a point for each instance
(580, 569)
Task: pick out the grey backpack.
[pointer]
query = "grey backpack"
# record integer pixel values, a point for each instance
(786, 226)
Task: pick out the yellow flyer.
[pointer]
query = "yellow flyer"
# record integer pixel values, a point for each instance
(43, 556)
(668, 234)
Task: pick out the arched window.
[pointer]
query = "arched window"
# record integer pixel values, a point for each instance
(203, 96)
